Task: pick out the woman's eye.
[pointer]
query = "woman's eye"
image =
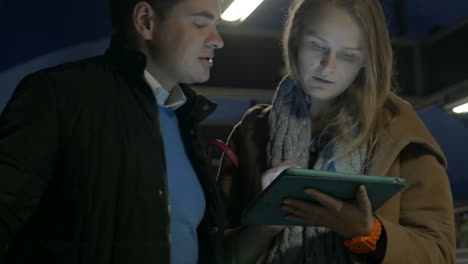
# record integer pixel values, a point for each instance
(319, 46)
(349, 56)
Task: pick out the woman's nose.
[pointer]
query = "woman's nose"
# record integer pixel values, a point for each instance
(329, 61)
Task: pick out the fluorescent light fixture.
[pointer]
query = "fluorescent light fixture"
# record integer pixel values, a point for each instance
(239, 10)
(461, 109)
(458, 107)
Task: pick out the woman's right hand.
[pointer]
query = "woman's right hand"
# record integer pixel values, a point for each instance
(270, 175)
(254, 240)
(267, 178)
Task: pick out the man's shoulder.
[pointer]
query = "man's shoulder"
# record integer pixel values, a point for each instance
(76, 69)
(82, 77)
(85, 82)
(71, 72)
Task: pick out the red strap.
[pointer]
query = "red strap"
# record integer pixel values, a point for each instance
(226, 150)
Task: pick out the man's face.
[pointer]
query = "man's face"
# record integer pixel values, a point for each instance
(184, 42)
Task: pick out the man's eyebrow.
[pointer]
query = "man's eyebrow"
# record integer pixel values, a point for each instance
(204, 14)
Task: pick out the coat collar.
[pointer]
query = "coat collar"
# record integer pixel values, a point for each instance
(132, 62)
(197, 108)
(405, 128)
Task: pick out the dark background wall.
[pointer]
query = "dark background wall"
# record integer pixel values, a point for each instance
(429, 40)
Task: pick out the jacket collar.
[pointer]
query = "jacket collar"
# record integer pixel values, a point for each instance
(406, 128)
(131, 61)
(197, 108)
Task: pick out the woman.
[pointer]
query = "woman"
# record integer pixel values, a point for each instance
(335, 111)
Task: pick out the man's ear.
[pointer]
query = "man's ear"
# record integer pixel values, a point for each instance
(143, 18)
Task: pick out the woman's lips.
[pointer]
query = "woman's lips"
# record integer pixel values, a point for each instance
(322, 80)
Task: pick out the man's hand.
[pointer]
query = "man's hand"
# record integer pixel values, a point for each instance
(348, 219)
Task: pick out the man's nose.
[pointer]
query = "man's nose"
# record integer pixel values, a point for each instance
(215, 41)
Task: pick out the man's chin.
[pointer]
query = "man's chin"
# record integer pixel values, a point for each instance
(201, 78)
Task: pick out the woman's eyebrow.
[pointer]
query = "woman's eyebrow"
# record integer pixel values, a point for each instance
(353, 49)
(314, 35)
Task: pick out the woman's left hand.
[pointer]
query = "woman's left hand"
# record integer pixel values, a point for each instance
(348, 219)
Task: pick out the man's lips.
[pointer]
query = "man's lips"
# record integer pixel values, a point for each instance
(206, 61)
(320, 80)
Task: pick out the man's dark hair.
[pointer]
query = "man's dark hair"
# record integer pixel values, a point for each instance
(121, 11)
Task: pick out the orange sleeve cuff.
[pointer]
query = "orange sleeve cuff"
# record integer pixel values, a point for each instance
(365, 244)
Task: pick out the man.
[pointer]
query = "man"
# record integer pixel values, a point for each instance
(100, 160)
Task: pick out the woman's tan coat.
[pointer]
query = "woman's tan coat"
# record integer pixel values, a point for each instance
(418, 221)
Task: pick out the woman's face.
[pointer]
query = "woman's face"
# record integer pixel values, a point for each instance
(331, 53)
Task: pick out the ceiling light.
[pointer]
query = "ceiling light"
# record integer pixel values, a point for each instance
(239, 10)
(461, 109)
(458, 107)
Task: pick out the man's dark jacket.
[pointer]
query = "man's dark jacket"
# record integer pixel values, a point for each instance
(82, 167)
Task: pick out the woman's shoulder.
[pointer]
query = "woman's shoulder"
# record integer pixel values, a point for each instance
(256, 113)
(406, 126)
(405, 122)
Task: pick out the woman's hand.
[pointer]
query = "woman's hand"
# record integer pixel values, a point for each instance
(348, 219)
(270, 175)
(267, 178)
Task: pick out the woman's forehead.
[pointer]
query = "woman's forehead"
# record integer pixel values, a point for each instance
(334, 25)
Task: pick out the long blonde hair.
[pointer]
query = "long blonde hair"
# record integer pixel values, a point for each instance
(367, 105)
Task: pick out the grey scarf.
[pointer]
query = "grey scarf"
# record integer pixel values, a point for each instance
(290, 139)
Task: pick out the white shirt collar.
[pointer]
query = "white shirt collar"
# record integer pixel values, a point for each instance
(162, 94)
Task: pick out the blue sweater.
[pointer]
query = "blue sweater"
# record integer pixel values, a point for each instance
(187, 201)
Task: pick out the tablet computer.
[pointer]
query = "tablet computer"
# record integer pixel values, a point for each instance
(266, 208)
